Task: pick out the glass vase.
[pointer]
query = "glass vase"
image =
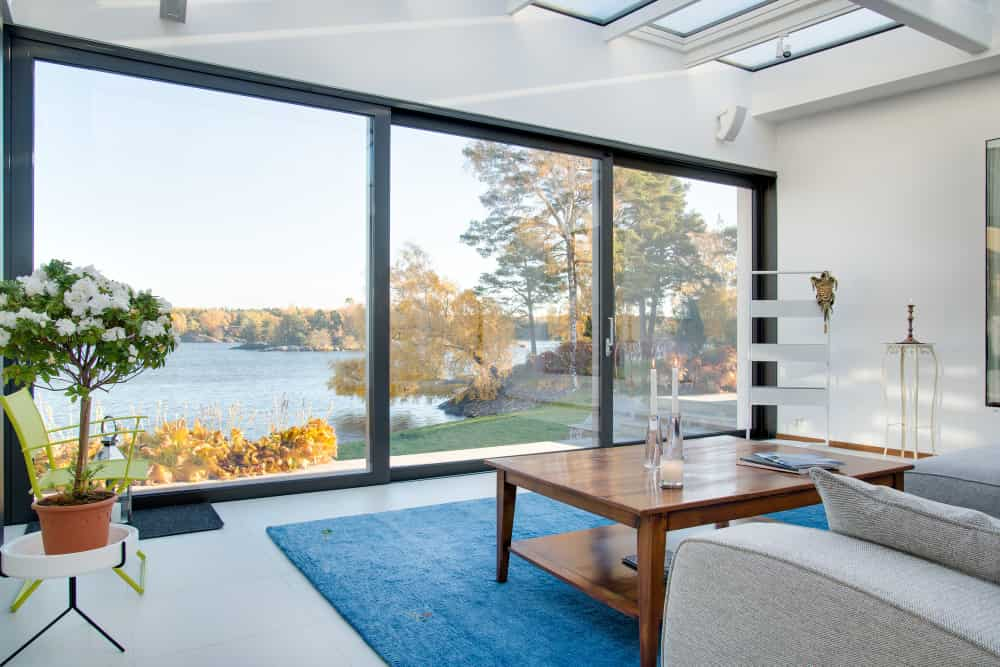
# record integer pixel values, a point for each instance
(654, 445)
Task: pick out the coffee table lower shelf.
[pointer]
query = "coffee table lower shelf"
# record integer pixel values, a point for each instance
(590, 560)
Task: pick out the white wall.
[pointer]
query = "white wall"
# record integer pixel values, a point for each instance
(889, 195)
(537, 67)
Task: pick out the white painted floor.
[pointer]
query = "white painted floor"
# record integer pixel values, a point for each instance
(221, 598)
(226, 597)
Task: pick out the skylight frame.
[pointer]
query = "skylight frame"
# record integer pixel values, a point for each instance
(808, 52)
(542, 4)
(707, 26)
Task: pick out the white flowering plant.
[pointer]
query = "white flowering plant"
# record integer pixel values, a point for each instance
(71, 329)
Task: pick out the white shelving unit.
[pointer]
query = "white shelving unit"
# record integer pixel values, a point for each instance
(799, 353)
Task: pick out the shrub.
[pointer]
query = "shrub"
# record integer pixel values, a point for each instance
(193, 454)
(558, 360)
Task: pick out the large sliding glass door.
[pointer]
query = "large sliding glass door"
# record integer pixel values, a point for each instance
(506, 295)
(251, 216)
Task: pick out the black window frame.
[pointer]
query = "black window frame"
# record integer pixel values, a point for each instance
(23, 46)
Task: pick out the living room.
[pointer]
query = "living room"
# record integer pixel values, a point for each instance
(383, 263)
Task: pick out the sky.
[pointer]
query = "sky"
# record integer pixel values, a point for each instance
(213, 199)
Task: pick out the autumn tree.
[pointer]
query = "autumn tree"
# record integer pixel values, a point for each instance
(549, 194)
(214, 322)
(437, 333)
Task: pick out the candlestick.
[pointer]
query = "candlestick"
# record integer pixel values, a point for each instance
(675, 402)
(653, 410)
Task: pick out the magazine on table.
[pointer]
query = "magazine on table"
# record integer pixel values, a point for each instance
(795, 463)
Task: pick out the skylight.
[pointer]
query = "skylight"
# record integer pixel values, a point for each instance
(601, 12)
(834, 32)
(704, 14)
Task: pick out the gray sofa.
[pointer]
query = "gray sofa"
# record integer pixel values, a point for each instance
(967, 478)
(777, 594)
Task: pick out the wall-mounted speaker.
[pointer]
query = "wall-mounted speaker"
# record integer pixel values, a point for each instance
(730, 122)
(173, 10)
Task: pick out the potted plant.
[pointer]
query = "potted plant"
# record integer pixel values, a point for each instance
(73, 330)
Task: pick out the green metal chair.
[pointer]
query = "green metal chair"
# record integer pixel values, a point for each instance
(118, 474)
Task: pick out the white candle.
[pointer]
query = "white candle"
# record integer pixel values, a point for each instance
(675, 403)
(653, 410)
(671, 472)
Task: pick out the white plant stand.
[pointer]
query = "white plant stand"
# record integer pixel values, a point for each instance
(25, 558)
(905, 369)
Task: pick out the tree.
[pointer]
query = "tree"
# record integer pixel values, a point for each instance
(548, 193)
(293, 329)
(437, 333)
(690, 328)
(319, 339)
(655, 250)
(214, 322)
(74, 330)
(523, 279)
(353, 326)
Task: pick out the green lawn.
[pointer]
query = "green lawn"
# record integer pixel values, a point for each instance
(545, 423)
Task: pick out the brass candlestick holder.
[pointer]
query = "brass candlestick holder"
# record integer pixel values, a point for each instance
(909, 340)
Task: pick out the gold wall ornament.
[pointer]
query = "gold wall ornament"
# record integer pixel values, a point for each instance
(825, 287)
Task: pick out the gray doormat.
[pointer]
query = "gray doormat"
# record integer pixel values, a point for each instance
(156, 522)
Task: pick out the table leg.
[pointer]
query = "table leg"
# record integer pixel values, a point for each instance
(506, 495)
(652, 547)
(897, 481)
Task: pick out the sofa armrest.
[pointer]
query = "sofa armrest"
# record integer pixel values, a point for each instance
(775, 594)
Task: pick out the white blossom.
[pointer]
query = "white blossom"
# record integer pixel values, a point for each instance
(99, 303)
(4, 337)
(151, 329)
(78, 297)
(113, 334)
(90, 323)
(28, 314)
(162, 304)
(65, 327)
(3, 300)
(38, 283)
(8, 319)
(120, 297)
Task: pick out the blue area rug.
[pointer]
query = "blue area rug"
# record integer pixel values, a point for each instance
(418, 585)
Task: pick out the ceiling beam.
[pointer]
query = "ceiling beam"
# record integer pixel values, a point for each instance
(514, 6)
(763, 26)
(641, 18)
(964, 24)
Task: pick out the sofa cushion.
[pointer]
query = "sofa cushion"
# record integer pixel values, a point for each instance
(967, 478)
(959, 538)
(777, 594)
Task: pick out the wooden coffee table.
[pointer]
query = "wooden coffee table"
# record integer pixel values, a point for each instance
(611, 482)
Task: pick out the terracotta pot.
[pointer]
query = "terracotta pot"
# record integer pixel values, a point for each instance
(67, 529)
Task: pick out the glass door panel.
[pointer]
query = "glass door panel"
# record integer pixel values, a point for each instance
(675, 285)
(490, 324)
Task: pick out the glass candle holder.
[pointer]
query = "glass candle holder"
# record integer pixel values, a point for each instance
(672, 460)
(654, 445)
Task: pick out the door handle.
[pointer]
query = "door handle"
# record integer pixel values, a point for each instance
(609, 342)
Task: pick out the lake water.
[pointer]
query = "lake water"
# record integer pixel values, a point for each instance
(227, 388)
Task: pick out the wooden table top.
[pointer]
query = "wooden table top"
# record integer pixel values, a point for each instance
(615, 477)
